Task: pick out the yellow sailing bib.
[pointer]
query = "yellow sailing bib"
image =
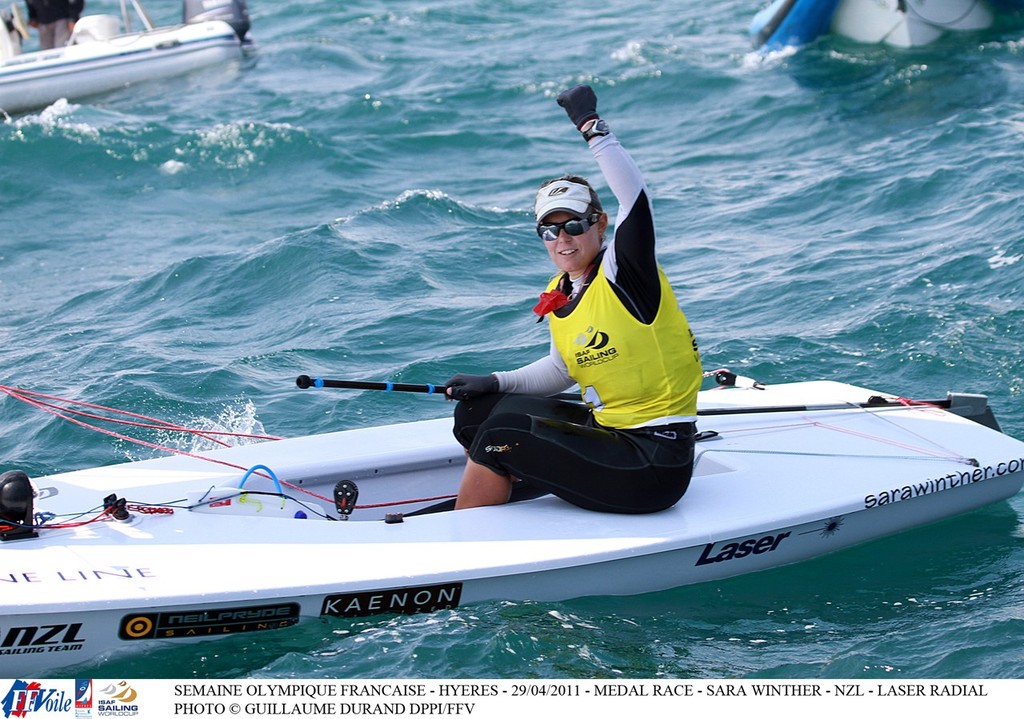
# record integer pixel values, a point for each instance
(629, 373)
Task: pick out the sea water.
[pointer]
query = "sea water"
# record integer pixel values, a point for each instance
(353, 201)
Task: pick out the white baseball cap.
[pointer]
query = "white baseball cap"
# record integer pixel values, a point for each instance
(562, 195)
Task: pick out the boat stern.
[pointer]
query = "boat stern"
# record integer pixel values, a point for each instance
(234, 12)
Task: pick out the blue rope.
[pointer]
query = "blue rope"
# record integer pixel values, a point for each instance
(266, 469)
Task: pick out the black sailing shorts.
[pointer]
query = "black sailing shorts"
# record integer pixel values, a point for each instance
(556, 446)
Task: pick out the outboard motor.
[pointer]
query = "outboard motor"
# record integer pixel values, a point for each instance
(10, 38)
(234, 12)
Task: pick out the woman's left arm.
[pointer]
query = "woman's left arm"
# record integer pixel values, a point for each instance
(630, 263)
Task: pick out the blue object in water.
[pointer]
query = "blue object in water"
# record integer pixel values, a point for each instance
(791, 23)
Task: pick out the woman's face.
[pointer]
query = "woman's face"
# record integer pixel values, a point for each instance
(574, 253)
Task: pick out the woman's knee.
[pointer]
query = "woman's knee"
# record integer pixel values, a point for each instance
(470, 414)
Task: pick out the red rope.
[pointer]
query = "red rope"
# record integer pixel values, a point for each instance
(405, 501)
(907, 402)
(103, 515)
(941, 453)
(46, 403)
(35, 399)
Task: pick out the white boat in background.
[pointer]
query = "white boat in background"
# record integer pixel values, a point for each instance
(899, 23)
(105, 53)
(355, 523)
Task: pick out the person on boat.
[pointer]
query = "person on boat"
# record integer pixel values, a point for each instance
(54, 19)
(616, 331)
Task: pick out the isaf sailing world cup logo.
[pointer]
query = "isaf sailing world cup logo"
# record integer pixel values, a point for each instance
(118, 700)
(595, 349)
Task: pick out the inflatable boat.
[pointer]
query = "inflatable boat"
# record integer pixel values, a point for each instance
(105, 53)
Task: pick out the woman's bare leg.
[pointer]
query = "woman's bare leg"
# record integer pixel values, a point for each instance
(481, 487)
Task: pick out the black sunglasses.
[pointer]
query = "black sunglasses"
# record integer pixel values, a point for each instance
(549, 232)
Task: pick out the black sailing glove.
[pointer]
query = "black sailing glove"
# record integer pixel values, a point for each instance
(468, 386)
(580, 105)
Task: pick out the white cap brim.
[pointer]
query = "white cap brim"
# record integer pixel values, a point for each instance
(564, 196)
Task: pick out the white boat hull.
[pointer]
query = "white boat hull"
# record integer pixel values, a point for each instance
(37, 79)
(770, 489)
(920, 23)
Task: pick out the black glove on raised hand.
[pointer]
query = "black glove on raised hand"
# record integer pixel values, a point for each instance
(580, 104)
(468, 386)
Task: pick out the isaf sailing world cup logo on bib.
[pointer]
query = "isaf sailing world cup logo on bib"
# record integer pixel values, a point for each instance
(595, 349)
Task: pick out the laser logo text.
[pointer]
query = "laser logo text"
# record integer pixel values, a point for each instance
(738, 550)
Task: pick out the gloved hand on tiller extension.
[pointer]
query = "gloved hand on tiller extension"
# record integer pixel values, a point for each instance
(468, 386)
